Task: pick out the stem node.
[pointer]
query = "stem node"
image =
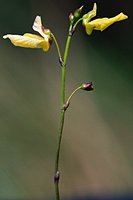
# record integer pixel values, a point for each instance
(66, 105)
(61, 61)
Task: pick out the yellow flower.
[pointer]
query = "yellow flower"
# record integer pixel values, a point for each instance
(103, 23)
(29, 40)
(100, 24)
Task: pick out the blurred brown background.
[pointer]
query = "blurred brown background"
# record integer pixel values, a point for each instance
(96, 154)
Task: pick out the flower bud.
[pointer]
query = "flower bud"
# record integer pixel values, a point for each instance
(75, 16)
(77, 12)
(71, 17)
(87, 86)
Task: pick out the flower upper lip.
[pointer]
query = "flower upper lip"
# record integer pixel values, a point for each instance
(38, 27)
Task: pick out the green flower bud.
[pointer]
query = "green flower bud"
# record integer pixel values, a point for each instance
(71, 17)
(77, 12)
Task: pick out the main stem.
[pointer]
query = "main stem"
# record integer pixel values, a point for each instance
(62, 113)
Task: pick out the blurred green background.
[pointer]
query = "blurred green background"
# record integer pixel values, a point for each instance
(96, 154)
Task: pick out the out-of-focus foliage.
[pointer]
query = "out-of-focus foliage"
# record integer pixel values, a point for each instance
(97, 144)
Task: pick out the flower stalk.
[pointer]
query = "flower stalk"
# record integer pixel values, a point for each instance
(62, 113)
(57, 47)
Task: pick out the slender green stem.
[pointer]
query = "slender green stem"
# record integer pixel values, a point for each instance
(69, 98)
(57, 46)
(62, 113)
(57, 173)
(75, 25)
(64, 66)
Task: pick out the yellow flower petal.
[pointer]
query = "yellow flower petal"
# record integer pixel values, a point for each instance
(87, 17)
(29, 41)
(42, 43)
(103, 23)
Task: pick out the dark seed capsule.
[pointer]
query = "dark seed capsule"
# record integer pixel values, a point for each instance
(87, 86)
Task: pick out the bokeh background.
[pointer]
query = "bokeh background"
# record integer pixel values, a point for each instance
(96, 154)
